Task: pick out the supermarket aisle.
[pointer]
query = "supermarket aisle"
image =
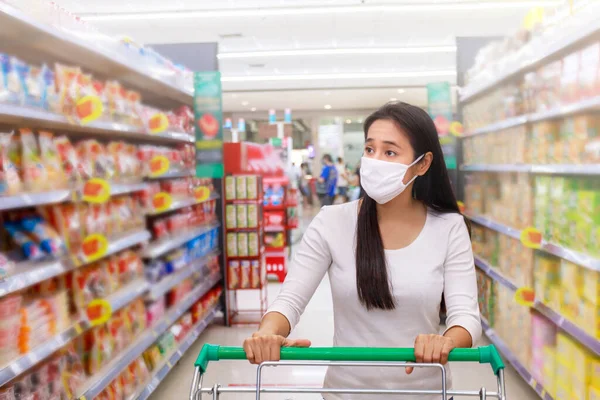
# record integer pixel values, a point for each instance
(316, 325)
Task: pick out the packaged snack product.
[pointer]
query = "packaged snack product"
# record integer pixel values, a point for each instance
(240, 187)
(66, 219)
(252, 216)
(51, 161)
(47, 238)
(230, 216)
(242, 216)
(11, 87)
(10, 183)
(252, 187)
(30, 249)
(234, 275)
(68, 158)
(232, 246)
(33, 171)
(255, 274)
(245, 278)
(89, 283)
(253, 245)
(242, 239)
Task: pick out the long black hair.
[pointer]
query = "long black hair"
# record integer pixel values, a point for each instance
(433, 189)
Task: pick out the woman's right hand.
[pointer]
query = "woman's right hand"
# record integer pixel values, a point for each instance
(267, 347)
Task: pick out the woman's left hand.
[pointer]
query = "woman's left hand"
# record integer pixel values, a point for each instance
(432, 349)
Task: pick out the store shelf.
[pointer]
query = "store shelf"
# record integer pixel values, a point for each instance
(549, 169)
(163, 369)
(539, 51)
(33, 40)
(175, 173)
(577, 333)
(27, 361)
(275, 228)
(244, 201)
(178, 204)
(554, 249)
(116, 245)
(24, 200)
(105, 376)
(160, 247)
(590, 104)
(32, 272)
(280, 207)
(514, 361)
(34, 199)
(167, 283)
(42, 119)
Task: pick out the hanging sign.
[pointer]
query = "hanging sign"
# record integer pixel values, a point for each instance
(94, 247)
(439, 107)
(525, 296)
(208, 114)
(96, 190)
(532, 238)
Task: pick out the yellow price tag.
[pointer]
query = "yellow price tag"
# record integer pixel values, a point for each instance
(456, 129)
(158, 123)
(461, 207)
(202, 193)
(96, 190)
(98, 311)
(94, 247)
(159, 165)
(532, 238)
(89, 109)
(525, 296)
(162, 202)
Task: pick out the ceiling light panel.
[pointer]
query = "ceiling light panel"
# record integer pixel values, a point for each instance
(430, 7)
(333, 52)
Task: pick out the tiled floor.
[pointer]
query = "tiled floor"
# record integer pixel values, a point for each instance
(316, 325)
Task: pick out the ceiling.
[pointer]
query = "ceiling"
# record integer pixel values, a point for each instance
(350, 54)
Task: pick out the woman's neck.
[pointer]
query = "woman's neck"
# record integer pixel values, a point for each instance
(399, 207)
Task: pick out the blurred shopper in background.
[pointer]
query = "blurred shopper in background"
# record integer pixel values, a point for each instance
(326, 184)
(305, 187)
(354, 188)
(342, 180)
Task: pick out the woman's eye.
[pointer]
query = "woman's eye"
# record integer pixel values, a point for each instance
(390, 153)
(368, 150)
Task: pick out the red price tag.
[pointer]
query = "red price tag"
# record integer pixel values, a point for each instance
(202, 193)
(159, 165)
(96, 191)
(89, 109)
(162, 201)
(532, 238)
(525, 296)
(98, 311)
(94, 247)
(158, 123)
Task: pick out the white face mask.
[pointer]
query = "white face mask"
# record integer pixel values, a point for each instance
(383, 180)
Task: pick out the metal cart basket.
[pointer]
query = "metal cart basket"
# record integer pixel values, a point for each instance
(346, 356)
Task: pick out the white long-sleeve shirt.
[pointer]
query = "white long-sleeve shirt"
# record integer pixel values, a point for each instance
(439, 260)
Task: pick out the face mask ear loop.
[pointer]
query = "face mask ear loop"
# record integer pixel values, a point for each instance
(416, 176)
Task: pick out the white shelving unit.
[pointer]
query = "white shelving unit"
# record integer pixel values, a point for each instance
(26, 38)
(582, 30)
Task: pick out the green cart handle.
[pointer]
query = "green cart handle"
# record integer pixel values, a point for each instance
(483, 355)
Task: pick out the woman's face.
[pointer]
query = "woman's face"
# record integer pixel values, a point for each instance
(386, 141)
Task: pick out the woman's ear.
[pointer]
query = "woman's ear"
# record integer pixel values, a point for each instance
(424, 164)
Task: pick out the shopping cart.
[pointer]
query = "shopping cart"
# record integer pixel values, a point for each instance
(346, 357)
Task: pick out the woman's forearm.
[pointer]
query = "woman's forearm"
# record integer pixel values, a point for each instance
(274, 323)
(460, 336)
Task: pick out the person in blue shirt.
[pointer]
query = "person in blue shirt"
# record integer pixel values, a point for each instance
(327, 182)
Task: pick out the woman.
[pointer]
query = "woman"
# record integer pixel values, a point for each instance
(411, 247)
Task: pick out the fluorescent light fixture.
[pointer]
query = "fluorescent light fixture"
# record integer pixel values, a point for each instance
(348, 121)
(393, 99)
(440, 7)
(333, 51)
(401, 91)
(253, 109)
(327, 107)
(361, 75)
(245, 103)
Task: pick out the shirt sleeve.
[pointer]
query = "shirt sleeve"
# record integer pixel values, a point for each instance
(460, 283)
(309, 264)
(325, 173)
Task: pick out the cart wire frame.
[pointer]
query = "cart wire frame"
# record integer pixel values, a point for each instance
(346, 357)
